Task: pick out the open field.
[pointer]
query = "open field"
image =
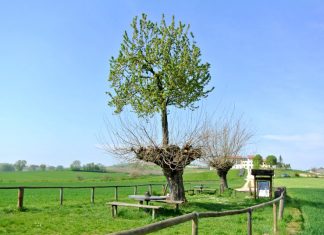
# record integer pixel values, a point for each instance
(44, 215)
(307, 194)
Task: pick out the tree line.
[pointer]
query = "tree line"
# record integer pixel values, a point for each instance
(270, 160)
(89, 167)
(21, 165)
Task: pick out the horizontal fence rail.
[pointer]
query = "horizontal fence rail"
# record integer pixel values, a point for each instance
(194, 217)
(21, 190)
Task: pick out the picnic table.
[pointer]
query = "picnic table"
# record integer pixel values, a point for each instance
(147, 199)
(163, 199)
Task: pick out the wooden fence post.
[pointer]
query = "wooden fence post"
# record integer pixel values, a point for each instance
(135, 189)
(61, 196)
(274, 217)
(116, 193)
(20, 203)
(249, 222)
(281, 208)
(194, 227)
(92, 195)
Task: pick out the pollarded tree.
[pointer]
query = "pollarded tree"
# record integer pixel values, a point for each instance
(160, 66)
(224, 140)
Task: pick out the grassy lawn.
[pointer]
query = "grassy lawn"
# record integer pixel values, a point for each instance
(307, 196)
(44, 215)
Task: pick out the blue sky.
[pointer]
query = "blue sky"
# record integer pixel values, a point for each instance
(267, 60)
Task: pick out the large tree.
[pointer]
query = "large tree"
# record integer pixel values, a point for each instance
(159, 66)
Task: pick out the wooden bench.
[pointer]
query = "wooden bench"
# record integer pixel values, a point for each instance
(176, 203)
(114, 206)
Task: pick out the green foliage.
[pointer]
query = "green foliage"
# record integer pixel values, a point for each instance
(76, 165)
(94, 167)
(60, 168)
(20, 165)
(6, 167)
(159, 65)
(271, 160)
(257, 161)
(42, 167)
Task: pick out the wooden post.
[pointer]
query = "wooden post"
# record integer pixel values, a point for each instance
(92, 195)
(255, 188)
(116, 193)
(150, 189)
(61, 196)
(20, 203)
(274, 217)
(114, 211)
(249, 222)
(281, 208)
(270, 187)
(194, 227)
(135, 189)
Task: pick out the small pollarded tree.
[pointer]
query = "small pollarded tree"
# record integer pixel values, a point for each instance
(159, 66)
(224, 140)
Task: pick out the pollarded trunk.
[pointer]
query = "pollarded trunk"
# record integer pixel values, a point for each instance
(223, 178)
(175, 182)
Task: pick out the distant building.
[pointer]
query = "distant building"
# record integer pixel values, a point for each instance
(243, 162)
(247, 163)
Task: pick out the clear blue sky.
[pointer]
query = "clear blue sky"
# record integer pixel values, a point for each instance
(267, 59)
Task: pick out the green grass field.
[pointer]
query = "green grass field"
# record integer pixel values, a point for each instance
(44, 215)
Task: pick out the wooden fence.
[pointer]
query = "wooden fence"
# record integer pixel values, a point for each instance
(195, 216)
(21, 190)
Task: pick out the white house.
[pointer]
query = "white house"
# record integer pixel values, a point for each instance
(243, 162)
(247, 163)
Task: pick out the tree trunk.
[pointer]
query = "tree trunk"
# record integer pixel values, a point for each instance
(223, 178)
(175, 182)
(165, 128)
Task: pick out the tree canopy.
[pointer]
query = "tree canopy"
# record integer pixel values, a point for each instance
(158, 66)
(20, 165)
(271, 160)
(257, 161)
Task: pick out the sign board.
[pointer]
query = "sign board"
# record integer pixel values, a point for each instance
(264, 188)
